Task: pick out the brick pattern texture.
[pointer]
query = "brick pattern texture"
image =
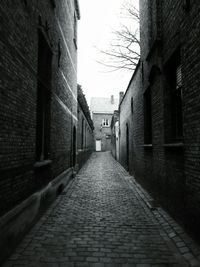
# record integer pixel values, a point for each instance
(171, 171)
(20, 21)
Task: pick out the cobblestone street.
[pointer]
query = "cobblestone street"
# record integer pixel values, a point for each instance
(104, 218)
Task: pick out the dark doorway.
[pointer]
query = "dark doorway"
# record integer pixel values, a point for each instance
(127, 147)
(74, 147)
(82, 134)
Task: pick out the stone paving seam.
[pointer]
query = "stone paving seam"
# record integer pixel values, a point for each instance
(146, 199)
(192, 250)
(173, 230)
(101, 214)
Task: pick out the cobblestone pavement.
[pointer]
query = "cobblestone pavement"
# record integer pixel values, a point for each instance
(104, 218)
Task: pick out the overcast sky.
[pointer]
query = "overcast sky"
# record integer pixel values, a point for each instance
(98, 19)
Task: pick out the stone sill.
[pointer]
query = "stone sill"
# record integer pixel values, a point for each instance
(82, 150)
(147, 146)
(40, 164)
(174, 145)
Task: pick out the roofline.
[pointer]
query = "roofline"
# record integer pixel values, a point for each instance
(133, 76)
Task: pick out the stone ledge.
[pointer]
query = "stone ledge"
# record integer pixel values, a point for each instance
(17, 222)
(40, 164)
(147, 145)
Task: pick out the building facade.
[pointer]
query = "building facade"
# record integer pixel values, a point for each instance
(38, 100)
(163, 141)
(85, 135)
(102, 110)
(131, 124)
(115, 135)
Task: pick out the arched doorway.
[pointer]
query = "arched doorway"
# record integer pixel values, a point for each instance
(127, 146)
(74, 147)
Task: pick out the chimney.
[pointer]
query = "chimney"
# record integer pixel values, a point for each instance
(121, 95)
(112, 99)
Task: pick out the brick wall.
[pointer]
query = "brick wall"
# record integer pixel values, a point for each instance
(85, 135)
(132, 118)
(20, 22)
(169, 168)
(191, 73)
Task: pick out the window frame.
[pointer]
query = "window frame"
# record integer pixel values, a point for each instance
(105, 122)
(174, 99)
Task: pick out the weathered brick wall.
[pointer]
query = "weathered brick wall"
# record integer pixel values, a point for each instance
(170, 170)
(18, 94)
(190, 57)
(85, 135)
(134, 121)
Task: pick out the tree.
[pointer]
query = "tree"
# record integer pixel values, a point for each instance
(124, 50)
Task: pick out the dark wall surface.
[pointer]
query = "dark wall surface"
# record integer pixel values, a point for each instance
(164, 152)
(38, 108)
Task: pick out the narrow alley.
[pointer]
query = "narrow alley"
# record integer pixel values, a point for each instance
(104, 218)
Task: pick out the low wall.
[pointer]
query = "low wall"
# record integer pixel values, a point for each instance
(18, 221)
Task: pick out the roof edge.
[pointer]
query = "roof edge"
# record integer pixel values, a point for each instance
(133, 76)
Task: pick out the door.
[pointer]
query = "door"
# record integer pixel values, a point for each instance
(74, 147)
(98, 145)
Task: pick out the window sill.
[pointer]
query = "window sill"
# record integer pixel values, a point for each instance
(40, 164)
(174, 145)
(147, 146)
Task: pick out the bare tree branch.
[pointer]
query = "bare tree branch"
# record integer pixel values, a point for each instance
(124, 50)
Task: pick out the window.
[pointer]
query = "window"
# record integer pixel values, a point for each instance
(173, 105)
(43, 99)
(105, 122)
(147, 117)
(177, 118)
